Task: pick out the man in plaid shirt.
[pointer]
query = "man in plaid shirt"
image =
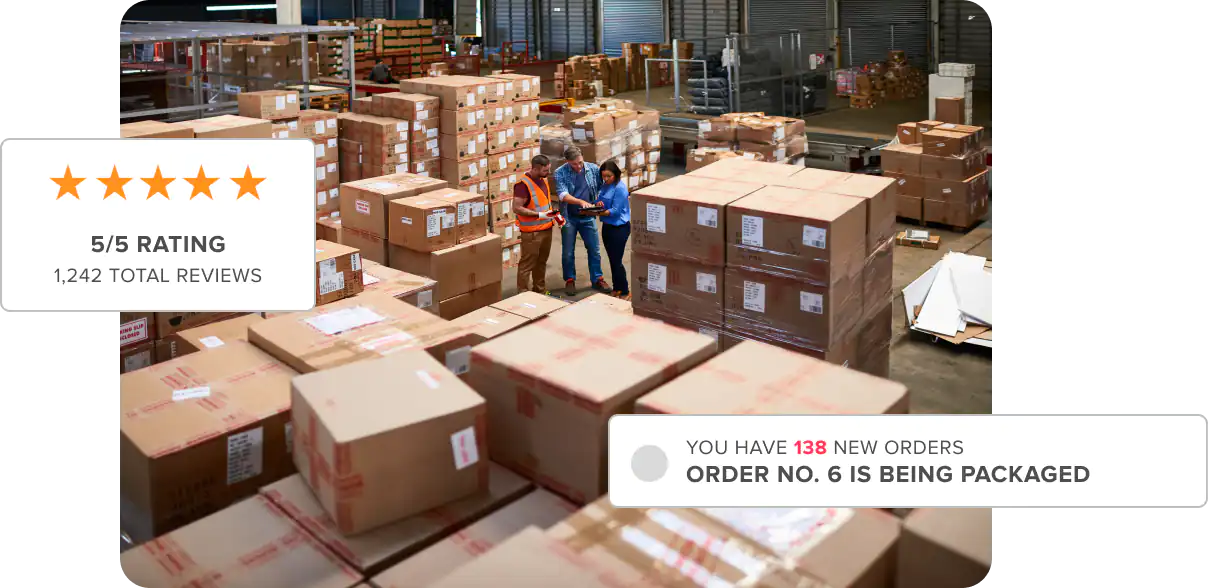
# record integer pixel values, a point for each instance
(578, 185)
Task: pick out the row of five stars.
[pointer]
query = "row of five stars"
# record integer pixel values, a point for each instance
(158, 184)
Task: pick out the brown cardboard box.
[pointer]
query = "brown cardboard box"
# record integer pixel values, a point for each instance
(745, 170)
(168, 323)
(229, 126)
(365, 428)
(464, 172)
(902, 159)
(549, 423)
(426, 129)
(499, 115)
(946, 143)
(327, 149)
(327, 203)
(756, 378)
(414, 290)
(605, 302)
(760, 130)
(539, 509)
(317, 124)
(501, 139)
(976, 133)
(773, 152)
(422, 223)
(154, 129)
(519, 86)
(877, 193)
(958, 214)
(702, 156)
(528, 134)
(908, 133)
(926, 125)
(200, 432)
(371, 247)
(455, 92)
(768, 307)
(470, 212)
(374, 130)
(463, 304)
(873, 338)
(490, 322)
(593, 127)
(944, 547)
(216, 334)
(426, 149)
(327, 177)
(362, 105)
(956, 191)
(532, 560)
(801, 234)
(952, 168)
(670, 287)
(376, 550)
(950, 110)
(338, 272)
(458, 269)
(456, 122)
(137, 357)
(685, 217)
(910, 207)
(501, 162)
(851, 548)
(911, 186)
(467, 146)
(251, 543)
(363, 205)
(530, 305)
(137, 328)
(526, 112)
(718, 130)
(404, 106)
(476, 185)
(429, 168)
(268, 104)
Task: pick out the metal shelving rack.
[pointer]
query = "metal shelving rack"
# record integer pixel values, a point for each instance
(195, 33)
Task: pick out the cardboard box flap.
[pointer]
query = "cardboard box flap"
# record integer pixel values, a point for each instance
(200, 396)
(325, 250)
(219, 333)
(530, 305)
(376, 549)
(398, 185)
(966, 531)
(700, 190)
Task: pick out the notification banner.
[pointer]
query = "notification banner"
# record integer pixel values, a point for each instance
(907, 461)
(157, 224)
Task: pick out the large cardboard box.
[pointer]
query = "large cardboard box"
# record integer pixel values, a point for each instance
(761, 130)
(812, 547)
(268, 104)
(944, 547)
(462, 304)
(470, 212)
(200, 432)
(946, 143)
(718, 130)
(685, 217)
(371, 247)
(464, 147)
(549, 422)
(317, 124)
(457, 269)
(464, 172)
(902, 159)
(154, 129)
(530, 305)
(338, 272)
(422, 223)
(539, 509)
(363, 204)
(251, 543)
(457, 122)
(910, 207)
(908, 134)
(519, 86)
(490, 322)
(668, 287)
(906, 186)
(593, 127)
(957, 191)
(873, 338)
(702, 156)
(407, 107)
(952, 168)
(229, 126)
(216, 334)
(800, 234)
(529, 559)
(792, 312)
(757, 378)
(455, 92)
(374, 551)
(417, 291)
(385, 439)
(950, 110)
(745, 170)
(877, 193)
(606, 302)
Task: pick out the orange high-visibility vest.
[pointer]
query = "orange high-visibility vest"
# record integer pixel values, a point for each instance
(538, 201)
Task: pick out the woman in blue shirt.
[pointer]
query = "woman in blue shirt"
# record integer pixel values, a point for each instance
(614, 198)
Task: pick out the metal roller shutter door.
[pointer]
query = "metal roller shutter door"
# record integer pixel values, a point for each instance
(510, 20)
(568, 28)
(631, 21)
(965, 37)
(872, 36)
(778, 16)
(697, 20)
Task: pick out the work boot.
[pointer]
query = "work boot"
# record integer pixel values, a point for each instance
(601, 285)
(570, 287)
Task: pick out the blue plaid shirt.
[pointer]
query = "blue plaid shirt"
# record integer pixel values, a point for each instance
(564, 183)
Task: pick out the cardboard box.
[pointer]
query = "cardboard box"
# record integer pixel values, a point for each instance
(426, 149)
(874, 335)
(470, 212)
(760, 130)
(425, 130)
(137, 357)
(456, 122)
(338, 272)
(958, 214)
(685, 217)
(464, 147)
(371, 247)
(950, 110)
(831, 547)
(476, 186)
(877, 192)
(944, 547)
(519, 86)
(946, 143)
(550, 424)
(363, 205)
(200, 432)
(457, 269)
(677, 288)
(216, 334)
(528, 134)
(773, 152)
(532, 560)
(429, 168)
(415, 290)
(718, 130)
(137, 328)
(539, 509)
(252, 543)
(745, 170)
(910, 207)
(374, 551)
(961, 191)
(362, 105)
(702, 156)
(462, 304)
(168, 323)
(902, 159)
(975, 133)
(154, 129)
(366, 428)
(530, 305)
(318, 124)
(465, 171)
(374, 130)
(268, 104)
(455, 92)
(773, 308)
(592, 128)
(421, 223)
(490, 322)
(499, 115)
(606, 302)
(908, 133)
(327, 150)
(952, 168)
(327, 177)
(405, 106)
(230, 127)
(910, 186)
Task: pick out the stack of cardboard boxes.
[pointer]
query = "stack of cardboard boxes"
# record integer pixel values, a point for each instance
(774, 138)
(148, 338)
(423, 117)
(940, 171)
(365, 210)
(513, 139)
(281, 107)
(877, 82)
(702, 156)
(270, 63)
(584, 77)
(608, 129)
(464, 119)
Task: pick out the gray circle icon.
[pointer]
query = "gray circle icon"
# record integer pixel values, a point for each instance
(649, 463)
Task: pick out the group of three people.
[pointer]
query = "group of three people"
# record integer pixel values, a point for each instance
(585, 191)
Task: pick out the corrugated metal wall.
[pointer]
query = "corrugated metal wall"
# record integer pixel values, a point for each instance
(778, 16)
(965, 37)
(872, 37)
(695, 20)
(510, 20)
(567, 28)
(631, 21)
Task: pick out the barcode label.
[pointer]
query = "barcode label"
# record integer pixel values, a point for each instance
(753, 296)
(814, 237)
(706, 217)
(706, 283)
(811, 302)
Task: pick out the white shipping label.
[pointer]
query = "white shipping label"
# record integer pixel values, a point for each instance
(524, 108)
(778, 134)
(814, 237)
(458, 360)
(419, 166)
(478, 209)
(322, 197)
(331, 284)
(245, 455)
(498, 114)
(507, 206)
(406, 220)
(401, 127)
(356, 262)
(706, 283)
(448, 219)
(345, 319)
(463, 213)
(499, 89)
(705, 126)
(482, 89)
(471, 147)
(507, 254)
(327, 268)
(470, 118)
(318, 127)
(423, 299)
(333, 168)
(580, 134)
(432, 133)
(320, 151)
(331, 124)
(947, 190)
(333, 194)
(526, 85)
(291, 97)
(778, 155)
(511, 158)
(293, 125)
(434, 224)
(421, 114)
(706, 217)
(753, 296)
(469, 100)
(369, 279)
(503, 184)
(465, 448)
(400, 169)
(507, 233)
(320, 173)
(362, 206)
(190, 393)
(280, 102)
(433, 144)
(211, 342)
(752, 231)
(811, 302)
(656, 218)
(400, 148)
(633, 125)
(473, 169)
(528, 132)
(656, 278)
(511, 133)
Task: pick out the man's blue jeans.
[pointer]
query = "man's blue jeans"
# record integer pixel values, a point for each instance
(583, 226)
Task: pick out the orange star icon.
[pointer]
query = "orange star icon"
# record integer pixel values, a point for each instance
(247, 184)
(114, 184)
(67, 184)
(201, 184)
(158, 184)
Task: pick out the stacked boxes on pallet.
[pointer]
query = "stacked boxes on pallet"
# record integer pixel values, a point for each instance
(463, 123)
(773, 138)
(940, 170)
(513, 138)
(365, 209)
(288, 122)
(606, 130)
